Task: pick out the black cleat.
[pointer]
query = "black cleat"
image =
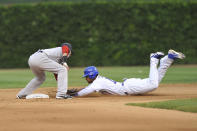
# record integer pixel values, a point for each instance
(21, 97)
(66, 96)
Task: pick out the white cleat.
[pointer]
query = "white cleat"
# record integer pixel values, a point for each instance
(175, 55)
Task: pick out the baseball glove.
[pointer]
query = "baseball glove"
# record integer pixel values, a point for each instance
(72, 92)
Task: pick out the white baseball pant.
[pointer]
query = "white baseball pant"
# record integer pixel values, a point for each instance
(140, 86)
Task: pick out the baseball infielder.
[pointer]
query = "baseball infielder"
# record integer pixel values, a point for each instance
(53, 60)
(133, 85)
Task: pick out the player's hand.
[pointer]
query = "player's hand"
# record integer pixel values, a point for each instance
(72, 92)
(65, 65)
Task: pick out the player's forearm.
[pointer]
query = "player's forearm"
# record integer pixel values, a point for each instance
(85, 91)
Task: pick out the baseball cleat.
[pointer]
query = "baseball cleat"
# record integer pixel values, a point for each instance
(157, 55)
(21, 97)
(175, 55)
(66, 96)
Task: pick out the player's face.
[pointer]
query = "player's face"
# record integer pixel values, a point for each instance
(89, 80)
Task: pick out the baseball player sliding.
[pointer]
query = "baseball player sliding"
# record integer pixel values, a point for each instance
(129, 86)
(53, 60)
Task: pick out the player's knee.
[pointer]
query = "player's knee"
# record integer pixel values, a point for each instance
(155, 87)
(154, 84)
(41, 79)
(63, 69)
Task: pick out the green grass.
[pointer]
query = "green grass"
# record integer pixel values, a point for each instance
(18, 78)
(186, 105)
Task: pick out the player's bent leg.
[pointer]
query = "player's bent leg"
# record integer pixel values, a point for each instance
(153, 74)
(62, 82)
(62, 79)
(34, 63)
(166, 62)
(33, 84)
(151, 83)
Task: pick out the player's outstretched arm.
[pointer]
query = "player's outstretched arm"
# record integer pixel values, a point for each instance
(81, 92)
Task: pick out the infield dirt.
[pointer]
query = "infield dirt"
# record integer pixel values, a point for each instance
(96, 112)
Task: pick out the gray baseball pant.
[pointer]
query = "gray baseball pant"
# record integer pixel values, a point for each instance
(39, 62)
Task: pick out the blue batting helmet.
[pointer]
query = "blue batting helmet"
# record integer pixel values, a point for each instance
(91, 72)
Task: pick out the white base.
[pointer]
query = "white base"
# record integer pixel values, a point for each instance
(36, 96)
